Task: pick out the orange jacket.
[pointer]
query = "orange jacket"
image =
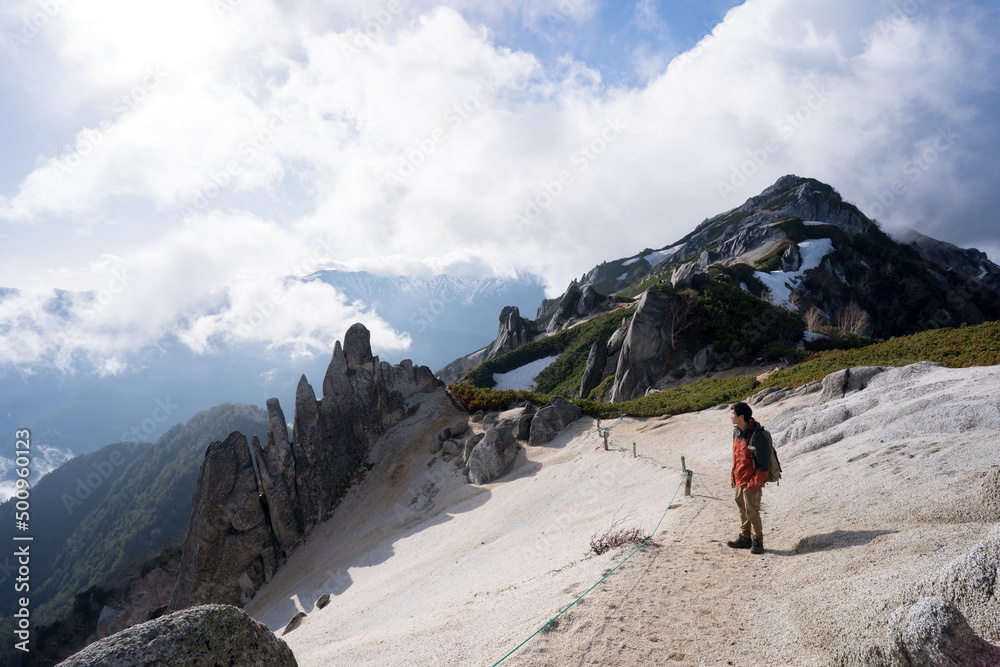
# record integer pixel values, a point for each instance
(746, 469)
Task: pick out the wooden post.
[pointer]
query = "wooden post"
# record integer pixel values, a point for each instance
(687, 483)
(633, 450)
(683, 468)
(605, 440)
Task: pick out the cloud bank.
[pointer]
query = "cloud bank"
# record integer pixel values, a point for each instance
(240, 137)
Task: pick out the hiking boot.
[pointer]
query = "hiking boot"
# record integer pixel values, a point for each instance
(757, 546)
(741, 542)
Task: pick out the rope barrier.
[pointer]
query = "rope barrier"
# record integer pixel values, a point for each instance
(601, 579)
(646, 451)
(606, 430)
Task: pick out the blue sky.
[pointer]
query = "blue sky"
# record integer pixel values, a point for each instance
(172, 165)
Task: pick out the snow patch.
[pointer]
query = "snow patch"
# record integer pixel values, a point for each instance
(813, 223)
(622, 276)
(781, 283)
(655, 258)
(522, 377)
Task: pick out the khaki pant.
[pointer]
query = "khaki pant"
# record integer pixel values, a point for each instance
(749, 504)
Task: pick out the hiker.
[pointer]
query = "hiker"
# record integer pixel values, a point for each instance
(751, 462)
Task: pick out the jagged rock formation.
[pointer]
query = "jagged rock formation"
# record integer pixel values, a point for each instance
(576, 305)
(230, 549)
(208, 635)
(646, 349)
(692, 274)
(597, 359)
(241, 529)
(512, 334)
(971, 583)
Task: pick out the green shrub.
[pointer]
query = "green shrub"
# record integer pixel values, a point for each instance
(959, 347)
(736, 274)
(837, 339)
(689, 398)
(743, 328)
(474, 398)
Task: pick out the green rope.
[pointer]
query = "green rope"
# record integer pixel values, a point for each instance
(645, 451)
(599, 582)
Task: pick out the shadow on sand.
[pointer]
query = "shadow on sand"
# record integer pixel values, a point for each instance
(838, 539)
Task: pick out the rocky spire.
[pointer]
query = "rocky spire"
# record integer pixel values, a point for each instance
(511, 335)
(237, 538)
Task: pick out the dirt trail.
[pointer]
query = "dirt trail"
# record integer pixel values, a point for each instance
(681, 600)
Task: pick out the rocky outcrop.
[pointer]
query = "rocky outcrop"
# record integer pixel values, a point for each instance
(933, 632)
(791, 259)
(242, 528)
(594, 372)
(219, 635)
(840, 383)
(954, 618)
(551, 419)
(523, 431)
(493, 457)
(576, 305)
(966, 262)
(646, 350)
(691, 274)
(971, 583)
(228, 534)
(511, 336)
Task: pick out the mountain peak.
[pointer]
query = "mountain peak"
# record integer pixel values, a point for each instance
(799, 242)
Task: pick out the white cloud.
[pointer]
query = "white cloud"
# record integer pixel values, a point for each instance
(44, 459)
(420, 144)
(218, 280)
